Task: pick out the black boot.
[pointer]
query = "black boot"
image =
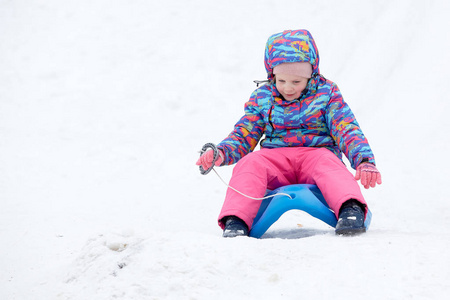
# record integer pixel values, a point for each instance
(234, 227)
(351, 218)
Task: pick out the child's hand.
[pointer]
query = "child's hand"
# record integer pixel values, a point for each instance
(368, 174)
(207, 158)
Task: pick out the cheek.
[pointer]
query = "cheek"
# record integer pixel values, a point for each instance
(304, 86)
(280, 87)
(301, 88)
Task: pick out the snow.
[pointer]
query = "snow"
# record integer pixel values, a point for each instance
(104, 105)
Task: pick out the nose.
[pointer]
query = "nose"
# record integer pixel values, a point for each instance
(288, 88)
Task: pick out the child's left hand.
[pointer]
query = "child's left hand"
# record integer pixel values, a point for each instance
(369, 175)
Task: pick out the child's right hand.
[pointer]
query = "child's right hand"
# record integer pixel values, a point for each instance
(207, 158)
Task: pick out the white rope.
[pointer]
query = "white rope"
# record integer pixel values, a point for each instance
(215, 157)
(253, 198)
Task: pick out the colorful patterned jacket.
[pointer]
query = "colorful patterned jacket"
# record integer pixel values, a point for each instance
(319, 118)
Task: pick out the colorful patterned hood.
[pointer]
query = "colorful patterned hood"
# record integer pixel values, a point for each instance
(291, 46)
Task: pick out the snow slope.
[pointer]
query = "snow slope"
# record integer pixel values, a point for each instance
(104, 105)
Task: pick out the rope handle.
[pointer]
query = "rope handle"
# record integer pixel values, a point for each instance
(215, 158)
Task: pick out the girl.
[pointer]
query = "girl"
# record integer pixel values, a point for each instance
(303, 126)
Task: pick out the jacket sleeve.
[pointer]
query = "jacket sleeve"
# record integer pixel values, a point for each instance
(345, 130)
(246, 134)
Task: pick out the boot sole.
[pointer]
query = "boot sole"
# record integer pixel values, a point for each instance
(350, 231)
(233, 233)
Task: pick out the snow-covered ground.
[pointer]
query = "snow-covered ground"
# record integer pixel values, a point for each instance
(104, 105)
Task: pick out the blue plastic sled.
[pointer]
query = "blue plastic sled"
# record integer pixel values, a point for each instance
(306, 197)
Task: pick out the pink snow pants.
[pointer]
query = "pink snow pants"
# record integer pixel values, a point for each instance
(268, 169)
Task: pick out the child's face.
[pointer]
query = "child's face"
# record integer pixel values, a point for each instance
(290, 86)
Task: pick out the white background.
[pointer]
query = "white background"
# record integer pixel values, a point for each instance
(104, 105)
